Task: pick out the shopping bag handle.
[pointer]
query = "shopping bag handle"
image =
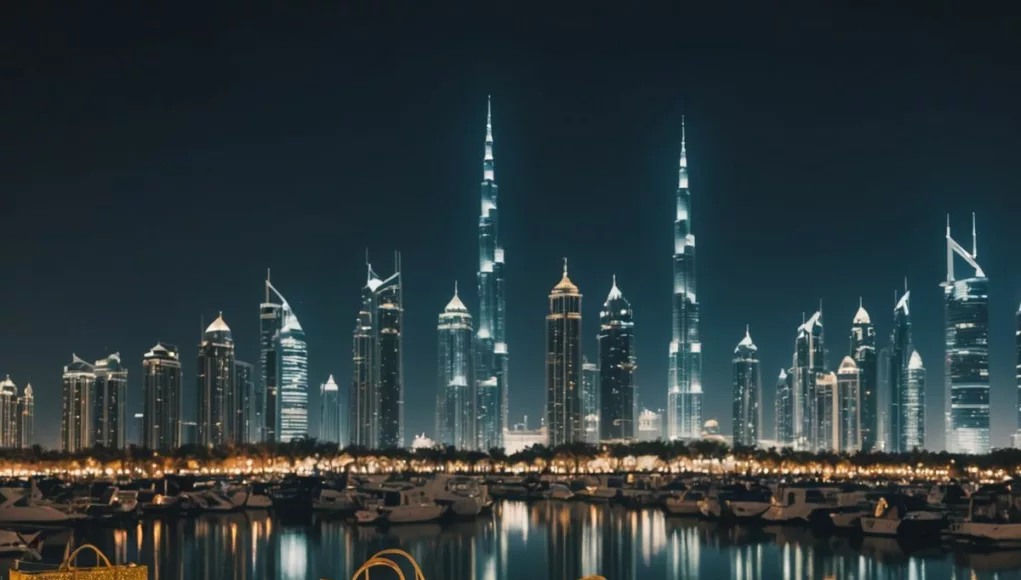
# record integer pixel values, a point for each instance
(68, 564)
(378, 559)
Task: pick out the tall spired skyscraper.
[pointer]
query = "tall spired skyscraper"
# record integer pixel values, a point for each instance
(563, 364)
(284, 368)
(966, 307)
(900, 353)
(491, 368)
(267, 392)
(455, 396)
(217, 401)
(329, 416)
(684, 405)
(747, 394)
(618, 389)
(913, 404)
(809, 365)
(863, 351)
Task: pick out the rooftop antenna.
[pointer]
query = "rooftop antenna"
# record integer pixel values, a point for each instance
(905, 284)
(974, 238)
(267, 285)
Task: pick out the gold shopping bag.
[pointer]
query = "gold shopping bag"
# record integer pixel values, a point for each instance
(68, 571)
(379, 560)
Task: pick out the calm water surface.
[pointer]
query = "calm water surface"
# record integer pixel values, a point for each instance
(534, 541)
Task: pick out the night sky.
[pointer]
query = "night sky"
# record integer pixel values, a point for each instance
(154, 163)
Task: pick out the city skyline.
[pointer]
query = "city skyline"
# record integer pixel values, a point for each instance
(586, 170)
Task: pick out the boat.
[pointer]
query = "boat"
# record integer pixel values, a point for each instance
(598, 489)
(903, 516)
(463, 496)
(685, 504)
(801, 504)
(993, 520)
(25, 510)
(559, 491)
(408, 506)
(209, 500)
(335, 501)
(27, 546)
(250, 496)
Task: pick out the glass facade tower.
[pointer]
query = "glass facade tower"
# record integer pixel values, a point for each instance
(76, 413)
(809, 364)
(8, 414)
(913, 405)
(618, 365)
(849, 405)
(109, 403)
(329, 417)
(267, 392)
(746, 402)
(217, 401)
(161, 398)
(563, 364)
(863, 351)
(783, 406)
(455, 396)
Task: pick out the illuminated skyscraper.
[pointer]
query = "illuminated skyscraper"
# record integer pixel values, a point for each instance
(244, 413)
(883, 400)
(590, 400)
(827, 412)
(783, 406)
(267, 417)
(563, 364)
(900, 352)
(618, 363)
(329, 416)
(362, 406)
(293, 393)
(913, 404)
(747, 394)
(76, 428)
(161, 394)
(809, 364)
(1017, 377)
(966, 303)
(9, 414)
(109, 403)
(492, 367)
(863, 351)
(684, 405)
(455, 389)
(216, 399)
(26, 417)
(849, 402)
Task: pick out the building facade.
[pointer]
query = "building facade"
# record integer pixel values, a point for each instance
(827, 403)
(456, 413)
(9, 414)
(491, 334)
(850, 435)
(26, 417)
(244, 412)
(1017, 376)
(684, 397)
(863, 351)
(362, 403)
(590, 400)
(161, 398)
(747, 395)
(216, 410)
(966, 314)
(809, 364)
(563, 364)
(783, 407)
(110, 403)
(618, 365)
(330, 413)
(267, 395)
(76, 424)
(650, 425)
(913, 404)
(900, 353)
(293, 392)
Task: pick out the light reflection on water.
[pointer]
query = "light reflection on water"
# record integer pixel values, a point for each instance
(520, 541)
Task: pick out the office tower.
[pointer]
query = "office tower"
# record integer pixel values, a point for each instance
(883, 361)
(590, 400)
(618, 364)
(966, 307)
(137, 437)
(1017, 376)
(863, 351)
(913, 404)
(267, 417)
(849, 405)
(329, 417)
(783, 406)
(161, 394)
(747, 395)
(377, 388)
(827, 403)
(900, 352)
(26, 417)
(76, 427)
(8, 414)
(684, 406)
(563, 363)
(809, 363)
(217, 400)
(286, 414)
(492, 365)
(109, 403)
(455, 393)
(244, 387)
(650, 425)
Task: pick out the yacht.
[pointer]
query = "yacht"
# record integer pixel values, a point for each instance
(801, 504)
(747, 503)
(994, 519)
(250, 497)
(601, 488)
(209, 500)
(558, 490)
(405, 506)
(335, 501)
(685, 504)
(902, 516)
(27, 546)
(463, 496)
(24, 510)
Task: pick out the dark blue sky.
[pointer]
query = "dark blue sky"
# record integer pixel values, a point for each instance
(154, 163)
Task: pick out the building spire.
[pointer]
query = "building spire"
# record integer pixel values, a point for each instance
(974, 238)
(565, 266)
(682, 172)
(455, 287)
(487, 161)
(267, 285)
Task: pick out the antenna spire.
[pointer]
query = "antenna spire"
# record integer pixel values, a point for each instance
(267, 285)
(455, 287)
(682, 177)
(974, 238)
(565, 266)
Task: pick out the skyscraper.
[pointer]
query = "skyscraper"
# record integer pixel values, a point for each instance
(809, 363)
(244, 387)
(827, 412)
(26, 412)
(492, 366)
(76, 427)
(900, 352)
(590, 408)
(455, 389)
(863, 351)
(109, 405)
(216, 399)
(292, 400)
(161, 394)
(9, 414)
(267, 416)
(329, 417)
(563, 363)
(618, 363)
(747, 395)
(377, 387)
(913, 404)
(883, 399)
(783, 406)
(966, 307)
(849, 405)
(1017, 376)
(684, 406)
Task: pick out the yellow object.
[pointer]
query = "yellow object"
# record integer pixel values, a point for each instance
(377, 560)
(68, 571)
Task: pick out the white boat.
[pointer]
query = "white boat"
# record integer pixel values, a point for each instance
(27, 546)
(994, 520)
(463, 496)
(685, 504)
(248, 497)
(597, 489)
(334, 500)
(558, 491)
(210, 500)
(800, 504)
(409, 506)
(24, 510)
